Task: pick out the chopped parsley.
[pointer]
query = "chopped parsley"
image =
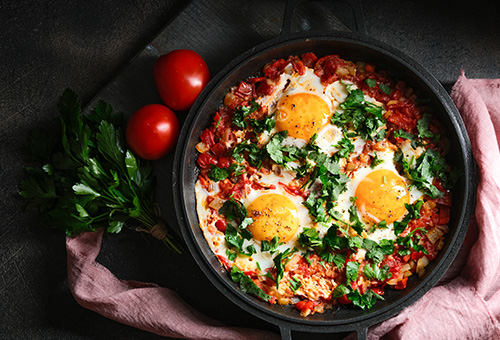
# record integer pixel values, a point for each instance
(413, 213)
(376, 161)
(360, 116)
(233, 210)
(370, 82)
(345, 147)
(272, 245)
(411, 242)
(385, 88)
(378, 251)
(261, 125)
(294, 284)
(352, 271)
(247, 285)
(280, 260)
(424, 169)
(239, 118)
(374, 272)
(424, 130)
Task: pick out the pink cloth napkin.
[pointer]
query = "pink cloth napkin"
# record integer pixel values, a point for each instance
(142, 305)
(466, 306)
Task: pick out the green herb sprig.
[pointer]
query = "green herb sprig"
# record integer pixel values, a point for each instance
(88, 178)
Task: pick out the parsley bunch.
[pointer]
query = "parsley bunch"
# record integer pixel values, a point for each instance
(88, 178)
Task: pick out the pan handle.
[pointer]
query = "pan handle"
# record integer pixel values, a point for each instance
(286, 333)
(291, 6)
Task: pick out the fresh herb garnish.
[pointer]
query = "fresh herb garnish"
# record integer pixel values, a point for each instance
(356, 223)
(274, 147)
(272, 245)
(360, 116)
(374, 272)
(345, 147)
(413, 213)
(377, 251)
(352, 271)
(218, 174)
(242, 112)
(376, 161)
(234, 210)
(385, 88)
(424, 130)
(411, 242)
(261, 125)
(280, 260)
(364, 301)
(247, 285)
(294, 284)
(89, 179)
(370, 82)
(424, 170)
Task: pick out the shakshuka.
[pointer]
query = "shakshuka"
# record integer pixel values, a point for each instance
(323, 181)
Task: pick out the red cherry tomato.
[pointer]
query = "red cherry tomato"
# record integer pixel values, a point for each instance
(180, 76)
(152, 131)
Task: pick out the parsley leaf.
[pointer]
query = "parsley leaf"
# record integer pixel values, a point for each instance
(242, 112)
(272, 245)
(360, 116)
(247, 285)
(385, 88)
(274, 148)
(423, 128)
(413, 213)
(357, 225)
(352, 271)
(345, 146)
(218, 174)
(265, 124)
(279, 263)
(370, 82)
(294, 284)
(310, 238)
(374, 272)
(377, 251)
(428, 165)
(254, 155)
(234, 210)
(364, 301)
(411, 242)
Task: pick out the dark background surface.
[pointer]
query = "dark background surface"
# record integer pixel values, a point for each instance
(47, 46)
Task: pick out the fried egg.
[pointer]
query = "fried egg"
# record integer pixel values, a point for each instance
(274, 212)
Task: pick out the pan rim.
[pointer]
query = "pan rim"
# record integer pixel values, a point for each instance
(364, 319)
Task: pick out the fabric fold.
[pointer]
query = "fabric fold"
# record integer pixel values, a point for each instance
(142, 305)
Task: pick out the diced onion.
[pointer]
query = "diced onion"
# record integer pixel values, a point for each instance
(216, 204)
(421, 264)
(202, 147)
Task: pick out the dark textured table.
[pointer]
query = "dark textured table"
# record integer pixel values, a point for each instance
(46, 46)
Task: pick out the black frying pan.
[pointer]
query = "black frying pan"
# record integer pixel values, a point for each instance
(354, 47)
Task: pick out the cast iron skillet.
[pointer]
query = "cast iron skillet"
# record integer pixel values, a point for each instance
(350, 46)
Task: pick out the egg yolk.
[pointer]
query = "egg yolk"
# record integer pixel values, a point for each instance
(273, 215)
(302, 114)
(382, 195)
